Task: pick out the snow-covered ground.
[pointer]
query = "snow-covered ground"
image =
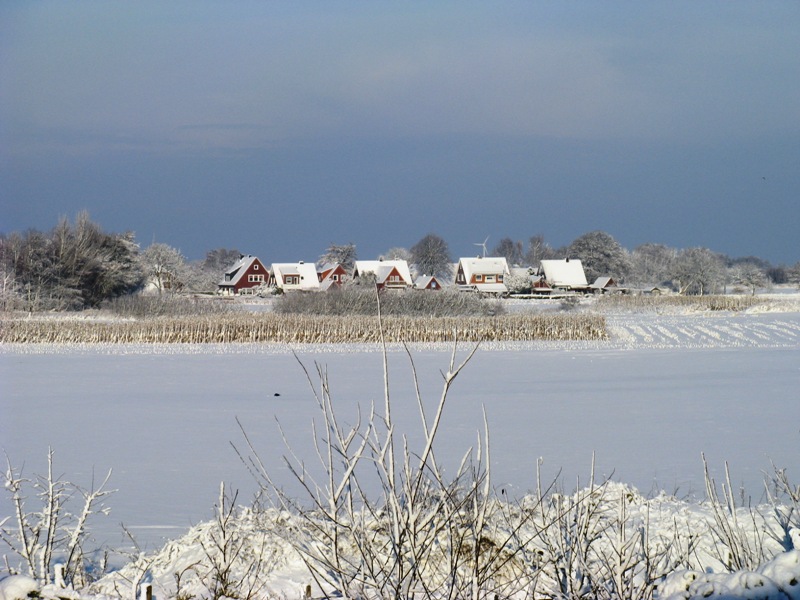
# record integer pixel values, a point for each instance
(663, 390)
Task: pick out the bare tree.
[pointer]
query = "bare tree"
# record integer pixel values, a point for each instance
(539, 250)
(431, 255)
(509, 249)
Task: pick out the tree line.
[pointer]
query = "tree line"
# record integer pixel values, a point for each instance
(77, 265)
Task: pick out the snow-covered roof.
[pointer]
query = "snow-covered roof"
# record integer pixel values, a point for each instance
(602, 282)
(566, 273)
(237, 271)
(423, 281)
(306, 271)
(484, 265)
(325, 275)
(382, 268)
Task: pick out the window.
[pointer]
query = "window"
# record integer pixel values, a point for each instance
(292, 280)
(335, 278)
(255, 267)
(394, 278)
(490, 279)
(478, 278)
(255, 278)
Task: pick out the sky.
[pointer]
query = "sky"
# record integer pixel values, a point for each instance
(278, 128)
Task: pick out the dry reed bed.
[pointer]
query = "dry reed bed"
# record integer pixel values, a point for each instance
(307, 329)
(733, 303)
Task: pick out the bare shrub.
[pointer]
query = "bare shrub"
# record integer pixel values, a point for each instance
(425, 535)
(362, 300)
(171, 305)
(50, 532)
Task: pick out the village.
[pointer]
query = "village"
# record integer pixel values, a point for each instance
(488, 275)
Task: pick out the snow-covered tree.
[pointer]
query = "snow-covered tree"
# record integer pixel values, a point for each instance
(219, 259)
(600, 255)
(396, 253)
(518, 281)
(344, 254)
(651, 264)
(165, 266)
(71, 267)
(750, 275)
(431, 255)
(793, 274)
(698, 271)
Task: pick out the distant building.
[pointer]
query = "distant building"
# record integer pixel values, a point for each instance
(427, 282)
(389, 274)
(247, 274)
(564, 274)
(482, 274)
(331, 275)
(300, 276)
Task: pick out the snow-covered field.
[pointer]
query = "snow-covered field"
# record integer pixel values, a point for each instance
(665, 389)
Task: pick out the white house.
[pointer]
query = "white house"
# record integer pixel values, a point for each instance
(565, 274)
(391, 274)
(483, 274)
(300, 276)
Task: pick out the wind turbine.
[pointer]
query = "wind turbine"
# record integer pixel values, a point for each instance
(483, 245)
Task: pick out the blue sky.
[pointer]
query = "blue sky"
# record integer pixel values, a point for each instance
(281, 127)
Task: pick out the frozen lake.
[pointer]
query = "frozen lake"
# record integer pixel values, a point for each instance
(163, 417)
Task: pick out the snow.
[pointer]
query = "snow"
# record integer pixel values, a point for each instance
(665, 389)
(18, 587)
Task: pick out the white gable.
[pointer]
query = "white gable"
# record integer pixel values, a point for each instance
(566, 273)
(382, 268)
(484, 265)
(485, 273)
(305, 274)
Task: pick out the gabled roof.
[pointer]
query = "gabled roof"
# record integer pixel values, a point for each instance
(325, 273)
(423, 281)
(484, 265)
(382, 268)
(238, 270)
(567, 273)
(603, 282)
(306, 271)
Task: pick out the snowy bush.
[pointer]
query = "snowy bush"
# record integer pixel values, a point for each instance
(47, 541)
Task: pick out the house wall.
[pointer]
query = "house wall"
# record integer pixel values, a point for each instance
(254, 271)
